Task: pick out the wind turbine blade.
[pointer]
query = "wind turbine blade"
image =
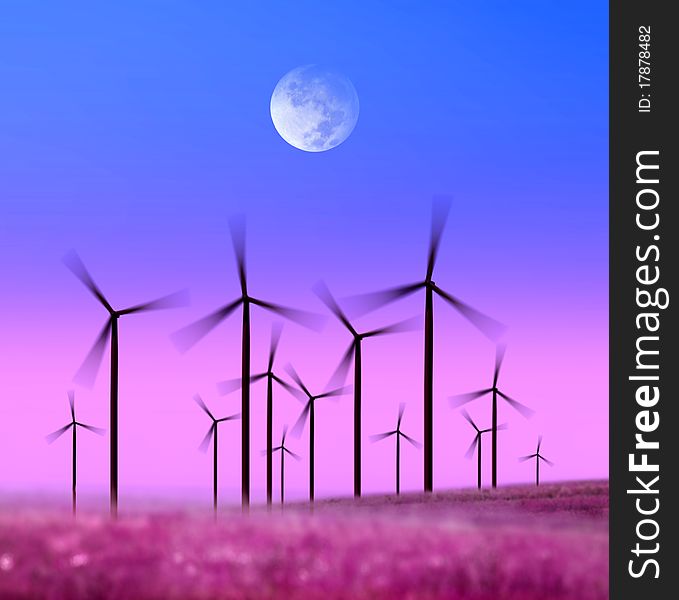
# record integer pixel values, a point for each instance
(491, 328)
(338, 378)
(460, 399)
(381, 436)
(87, 373)
(71, 403)
(175, 300)
(469, 420)
(411, 440)
(472, 447)
(199, 401)
(58, 433)
(208, 437)
(97, 430)
(190, 335)
(297, 393)
(401, 410)
(233, 417)
(322, 291)
(440, 210)
(549, 462)
(76, 266)
(499, 358)
(525, 458)
(501, 427)
(285, 434)
(336, 392)
(276, 330)
(237, 229)
(301, 421)
(297, 379)
(516, 405)
(291, 453)
(301, 317)
(412, 324)
(365, 303)
(539, 444)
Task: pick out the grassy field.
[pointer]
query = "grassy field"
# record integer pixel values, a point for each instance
(516, 543)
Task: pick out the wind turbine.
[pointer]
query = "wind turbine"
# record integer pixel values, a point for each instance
(283, 450)
(461, 399)
(399, 434)
(74, 426)
(190, 335)
(488, 326)
(354, 353)
(477, 442)
(309, 413)
(88, 370)
(538, 457)
(226, 387)
(211, 435)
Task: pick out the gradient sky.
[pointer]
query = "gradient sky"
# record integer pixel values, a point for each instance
(131, 131)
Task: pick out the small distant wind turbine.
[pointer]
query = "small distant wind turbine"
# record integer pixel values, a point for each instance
(461, 399)
(211, 435)
(538, 457)
(226, 387)
(354, 353)
(74, 425)
(399, 434)
(477, 442)
(191, 334)
(284, 450)
(88, 370)
(309, 413)
(489, 327)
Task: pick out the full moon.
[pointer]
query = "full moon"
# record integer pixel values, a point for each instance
(314, 108)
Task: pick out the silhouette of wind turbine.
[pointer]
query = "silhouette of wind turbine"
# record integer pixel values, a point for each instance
(211, 435)
(190, 335)
(284, 450)
(52, 437)
(309, 413)
(226, 387)
(399, 434)
(477, 442)
(354, 353)
(90, 366)
(488, 326)
(538, 457)
(461, 399)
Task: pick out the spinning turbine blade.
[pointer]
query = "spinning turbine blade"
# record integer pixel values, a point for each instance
(499, 358)
(199, 401)
(76, 266)
(301, 317)
(174, 300)
(237, 228)
(336, 392)
(190, 335)
(411, 440)
(469, 420)
(412, 324)
(71, 403)
(525, 458)
(340, 374)
(472, 447)
(297, 393)
(381, 436)
(231, 385)
(58, 433)
(322, 291)
(276, 330)
(401, 410)
(229, 418)
(365, 303)
(439, 216)
(87, 373)
(460, 399)
(539, 444)
(501, 427)
(491, 328)
(301, 421)
(208, 437)
(97, 430)
(285, 433)
(291, 453)
(549, 462)
(296, 378)
(516, 405)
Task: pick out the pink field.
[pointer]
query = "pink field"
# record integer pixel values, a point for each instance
(518, 543)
